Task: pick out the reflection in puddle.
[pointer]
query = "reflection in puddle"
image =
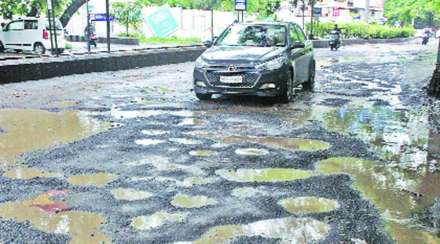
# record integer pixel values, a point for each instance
(187, 201)
(129, 194)
(287, 230)
(98, 179)
(251, 152)
(154, 132)
(29, 130)
(25, 173)
(264, 175)
(52, 217)
(202, 153)
(157, 220)
(304, 205)
(149, 142)
(389, 189)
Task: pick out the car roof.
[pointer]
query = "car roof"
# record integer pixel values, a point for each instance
(264, 23)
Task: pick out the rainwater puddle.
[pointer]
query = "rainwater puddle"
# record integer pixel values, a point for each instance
(287, 230)
(187, 201)
(264, 175)
(305, 205)
(251, 152)
(28, 130)
(121, 114)
(129, 194)
(247, 192)
(192, 122)
(62, 104)
(50, 216)
(185, 141)
(98, 179)
(295, 144)
(149, 142)
(25, 173)
(202, 153)
(196, 181)
(157, 220)
(393, 190)
(154, 132)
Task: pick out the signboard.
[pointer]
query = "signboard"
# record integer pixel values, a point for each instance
(240, 5)
(100, 17)
(317, 12)
(162, 22)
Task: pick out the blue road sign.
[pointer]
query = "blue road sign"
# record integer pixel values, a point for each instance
(240, 5)
(100, 17)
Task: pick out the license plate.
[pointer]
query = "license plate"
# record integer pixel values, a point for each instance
(231, 79)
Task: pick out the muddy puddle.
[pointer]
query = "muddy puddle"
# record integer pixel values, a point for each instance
(251, 152)
(305, 205)
(149, 142)
(264, 175)
(202, 153)
(157, 220)
(129, 194)
(286, 230)
(398, 193)
(55, 217)
(131, 114)
(27, 130)
(187, 201)
(294, 144)
(97, 179)
(25, 173)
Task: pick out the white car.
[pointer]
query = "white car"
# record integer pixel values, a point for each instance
(30, 34)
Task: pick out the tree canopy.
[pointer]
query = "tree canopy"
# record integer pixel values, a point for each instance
(407, 10)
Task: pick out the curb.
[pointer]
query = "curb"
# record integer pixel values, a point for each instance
(54, 67)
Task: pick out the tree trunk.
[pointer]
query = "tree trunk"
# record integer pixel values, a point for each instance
(71, 10)
(434, 86)
(34, 11)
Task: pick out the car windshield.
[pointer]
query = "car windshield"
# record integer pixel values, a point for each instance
(254, 35)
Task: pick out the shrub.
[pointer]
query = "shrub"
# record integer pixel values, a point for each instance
(363, 30)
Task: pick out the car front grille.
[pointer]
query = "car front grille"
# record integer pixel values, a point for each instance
(249, 79)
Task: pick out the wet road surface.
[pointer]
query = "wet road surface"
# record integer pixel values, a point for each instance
(132, 156)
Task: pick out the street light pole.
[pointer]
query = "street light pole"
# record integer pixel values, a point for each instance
(434, 86)
(88, 27)
(311, 20)
(107, 9)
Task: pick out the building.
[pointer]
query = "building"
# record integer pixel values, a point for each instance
(337, 11)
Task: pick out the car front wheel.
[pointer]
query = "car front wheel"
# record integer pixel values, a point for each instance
(286, 90)
(2, 48)
(203, 97)
(39, 49)
(309, 85)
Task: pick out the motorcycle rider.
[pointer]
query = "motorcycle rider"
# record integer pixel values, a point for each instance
(335, 38)
(426, 36)
(89, 32)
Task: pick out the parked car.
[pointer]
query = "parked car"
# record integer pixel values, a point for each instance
(30, 34)
(262, 58)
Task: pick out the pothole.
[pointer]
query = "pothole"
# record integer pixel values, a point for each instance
(25, 173)
(129, 194)
(305, 205)
(98, 179)
(251, 152)
(157, 220)
(149, 142)
(187, 201)
(202, 153)
(264, 175)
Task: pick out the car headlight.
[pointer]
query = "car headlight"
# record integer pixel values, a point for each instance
(200, 63)
(272, 64)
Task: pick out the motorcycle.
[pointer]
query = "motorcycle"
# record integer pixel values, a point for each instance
(425, 39)
(93, 40)
(335, 40)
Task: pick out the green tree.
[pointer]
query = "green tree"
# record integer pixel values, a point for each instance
(128, 14)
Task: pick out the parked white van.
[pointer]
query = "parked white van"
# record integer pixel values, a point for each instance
(30, 34)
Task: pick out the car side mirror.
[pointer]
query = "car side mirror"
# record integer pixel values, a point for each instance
(298, 45)
(208, 43)
(3, 26)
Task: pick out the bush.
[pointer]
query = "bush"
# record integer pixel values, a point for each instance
(363, 30)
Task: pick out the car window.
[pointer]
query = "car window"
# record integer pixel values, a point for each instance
(301, 34)
(261, 35)
(30, 24)
(294, 36)
(58, 25)
(16, 25)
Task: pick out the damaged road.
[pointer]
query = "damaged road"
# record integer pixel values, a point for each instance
(132, 156)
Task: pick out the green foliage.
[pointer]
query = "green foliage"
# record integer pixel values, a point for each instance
(363, 30)
(406, 10)
(163, 40)
(128, 14)
(68, 46)
(10, 8)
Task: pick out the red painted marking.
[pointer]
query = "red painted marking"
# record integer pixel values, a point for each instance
(55, 207)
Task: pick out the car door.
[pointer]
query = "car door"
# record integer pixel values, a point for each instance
(13, 33)
(308, 52)
(297, 55)
(31, 34)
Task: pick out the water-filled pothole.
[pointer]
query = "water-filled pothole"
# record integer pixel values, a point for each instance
(305, 205)
(97, 179)
(187, 201)
(264, 175)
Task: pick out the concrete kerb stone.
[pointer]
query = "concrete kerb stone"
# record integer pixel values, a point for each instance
(48, 68)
